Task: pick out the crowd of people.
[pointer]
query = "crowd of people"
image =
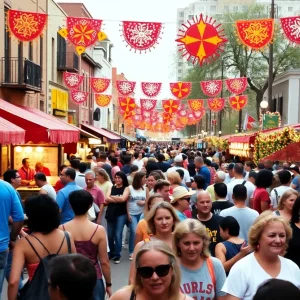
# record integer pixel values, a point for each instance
(198, 224)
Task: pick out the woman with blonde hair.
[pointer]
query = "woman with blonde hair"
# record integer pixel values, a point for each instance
(202, 276)
(174, 179)
(157, 275)
(286, 203)
(268, 237)
(161, 221)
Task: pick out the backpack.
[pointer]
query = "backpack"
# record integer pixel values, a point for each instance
(37, 288)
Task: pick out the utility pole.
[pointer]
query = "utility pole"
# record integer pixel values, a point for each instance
(271, 54)
(220, 112)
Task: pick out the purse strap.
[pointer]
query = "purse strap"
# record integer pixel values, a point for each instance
(68, 242)
(211, 271)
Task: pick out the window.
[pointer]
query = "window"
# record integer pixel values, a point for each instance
(290, 9)
(53, 58)
(7, 50)
(235, 8)
(280, 105)
(30, 51)
(226, 8)
(212, 8)
(190, 17)
(42, 54)
(181, 14)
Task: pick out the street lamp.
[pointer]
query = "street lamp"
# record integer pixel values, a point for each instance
(220, 133)
(263, 105)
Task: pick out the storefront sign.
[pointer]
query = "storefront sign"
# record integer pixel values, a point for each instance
(270, 121)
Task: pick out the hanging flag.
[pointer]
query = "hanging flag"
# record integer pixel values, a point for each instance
(211, 88)
(255, 34)
(26, 26)
(72, 80)
(198, 115)
(201, 39)
(100, 85)
(249, 122)
(237, 85)
(78, 96)
(170, 106)
(141, 36)
(181, 90)
(196, 104)
(238, 102)
(151, 89)
(148, 104)
(127, 104)
(216, 104)
(125, 87)
(102, 99)
(291, 28)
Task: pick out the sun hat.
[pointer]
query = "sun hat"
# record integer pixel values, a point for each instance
(180, 192)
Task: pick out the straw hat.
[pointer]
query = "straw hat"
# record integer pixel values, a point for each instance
(180, 192)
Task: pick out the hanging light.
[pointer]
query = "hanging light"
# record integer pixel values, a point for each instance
(18, 149)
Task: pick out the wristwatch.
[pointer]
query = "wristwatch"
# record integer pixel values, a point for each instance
(108, 284)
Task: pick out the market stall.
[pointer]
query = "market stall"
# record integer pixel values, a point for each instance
(242, 145)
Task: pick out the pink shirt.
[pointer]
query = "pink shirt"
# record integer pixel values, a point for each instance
(97, 194)
(114, 170)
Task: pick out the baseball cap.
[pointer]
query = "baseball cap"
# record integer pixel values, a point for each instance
(180, 192)
(178, 158)
(294, 167)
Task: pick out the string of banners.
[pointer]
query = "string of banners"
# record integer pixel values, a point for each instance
(200, 40)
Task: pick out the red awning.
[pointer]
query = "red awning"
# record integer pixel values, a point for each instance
(248, 139)
(289, 153)
(11, 133)
(110, 137)
(39, 126)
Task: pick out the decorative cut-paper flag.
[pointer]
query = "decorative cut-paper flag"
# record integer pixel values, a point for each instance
(196, 104)
(181, 113)
(141, 36)
(82, 32)
(26, 26)
(100, 85)
(198, 115)
(291, 28)
(170, 106)
(202, 40)
(216, 104)
(256, 34)
(211, 88)
(102, 100)
(237, 85)
(78, 96)
(238, 102)
(125, 87)
(151, 89)
(181, 90)
(72, 80)
(127, 104)
(148, 104)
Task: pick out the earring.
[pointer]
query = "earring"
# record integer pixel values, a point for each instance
(257, 247)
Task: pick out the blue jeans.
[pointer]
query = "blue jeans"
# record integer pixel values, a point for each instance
(99, 291)
(120, 223)
(3, 261)
(8, 269)
(132, 227)
(111, 233)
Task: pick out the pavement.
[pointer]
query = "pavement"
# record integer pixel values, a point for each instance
(120, 273)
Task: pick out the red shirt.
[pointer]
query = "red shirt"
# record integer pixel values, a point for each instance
(260, 195)
(26, 174)
(58, 185)
(97, 194)
(44, 170)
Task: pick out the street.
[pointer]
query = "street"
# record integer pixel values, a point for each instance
(119, 272)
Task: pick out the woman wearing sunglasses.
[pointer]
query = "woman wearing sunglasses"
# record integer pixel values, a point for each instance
(202, 276)
(157, 275)
(181, 201)
(161, 221)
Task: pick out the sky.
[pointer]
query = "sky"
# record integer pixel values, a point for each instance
(156, 66)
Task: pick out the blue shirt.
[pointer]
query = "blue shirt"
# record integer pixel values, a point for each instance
(9, 206)
(204, 171)
(62, 199)
(180, 215)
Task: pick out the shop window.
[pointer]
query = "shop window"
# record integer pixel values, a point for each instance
(30, 51)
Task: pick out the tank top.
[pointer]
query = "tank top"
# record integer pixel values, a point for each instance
(135, 196)
(231, 250)
(116, 209)
(89, 250)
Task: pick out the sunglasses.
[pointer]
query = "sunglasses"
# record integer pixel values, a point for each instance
(187, 199)
(147, 272)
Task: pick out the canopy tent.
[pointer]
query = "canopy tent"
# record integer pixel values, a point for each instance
(11, 133)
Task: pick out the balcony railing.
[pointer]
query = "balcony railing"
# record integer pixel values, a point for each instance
(21, 74)
(67, 61)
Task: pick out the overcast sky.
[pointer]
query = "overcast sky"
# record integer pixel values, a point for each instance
(156, 66)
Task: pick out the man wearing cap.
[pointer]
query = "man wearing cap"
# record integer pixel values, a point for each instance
(181, 201)
(219, 178)
(178, 165)
(229, 176)
(295, 182)
(202, 170)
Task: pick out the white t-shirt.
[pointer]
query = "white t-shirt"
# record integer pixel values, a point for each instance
(249, 186)
(280, 190)
(186, 176)
(50, 191)
(228, 178)
(80, 180)
(247, 275)
(138, 163)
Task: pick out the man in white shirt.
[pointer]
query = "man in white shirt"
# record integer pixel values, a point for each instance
(138, 160)
(285, 179)
(238, 172)
(178, 165)
(243, 214)
(229, 176)
(45, 187)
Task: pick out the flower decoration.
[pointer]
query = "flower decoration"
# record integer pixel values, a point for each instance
(141, 36)
(211, 88)
(170, 106)
(148, 104)
(216, 104)
(201, 39)
(78, 96)
(127, 104)
(151, 89)
(26, 26)
(72, 80)
(100, 85)
(102, 100)
(255, 34)
(237, 85)
(181, 90)
(238, 102)
(196, 104)
(125, 87)
(291, 28)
